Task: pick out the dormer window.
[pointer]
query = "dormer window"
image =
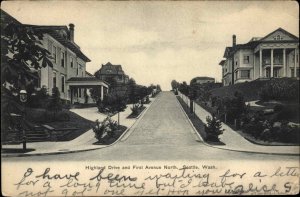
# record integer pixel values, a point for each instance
(278, 37)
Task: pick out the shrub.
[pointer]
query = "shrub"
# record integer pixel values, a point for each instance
(113, 103)
(213, 128)
(40, 99)
(278, 108)
(55, 103)
(148, 100)
(135, 109)
(176, 92)
(280, 90)
(235, 107)
(105, 128)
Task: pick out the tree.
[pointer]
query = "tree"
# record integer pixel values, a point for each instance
(184, 88)
(21, 54)
(235, 107)
(213, 128)
(115, 103)
(158, 88)
(174, 84)
(132, 91)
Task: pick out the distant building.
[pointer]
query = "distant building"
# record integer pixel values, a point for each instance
(202, 80)
(273, 56)
(109, 72)
(68, 73)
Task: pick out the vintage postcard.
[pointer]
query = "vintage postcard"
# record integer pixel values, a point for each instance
(149, 98)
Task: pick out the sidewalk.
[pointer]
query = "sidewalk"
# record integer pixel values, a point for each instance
(82, 143)
(234, 141)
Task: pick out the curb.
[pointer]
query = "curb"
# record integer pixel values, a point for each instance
(124, 138)
(230, 149)
(84, 150)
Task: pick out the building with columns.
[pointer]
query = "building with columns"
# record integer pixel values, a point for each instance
(273, 56)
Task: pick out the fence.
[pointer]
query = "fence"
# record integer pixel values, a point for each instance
(198, 110)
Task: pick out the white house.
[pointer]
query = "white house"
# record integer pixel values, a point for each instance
(68, 73)
(273, 56)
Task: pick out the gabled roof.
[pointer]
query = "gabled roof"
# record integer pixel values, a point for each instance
(89, 74)
(282, 30)
(53, 31)
(227, 52)
(256, 41)
(109, 69)
(222, 62)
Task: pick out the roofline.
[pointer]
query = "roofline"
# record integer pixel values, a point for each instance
(222, 61)
(280, 29)
(80, 54)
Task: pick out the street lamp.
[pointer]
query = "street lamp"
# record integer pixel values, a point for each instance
(23, 99)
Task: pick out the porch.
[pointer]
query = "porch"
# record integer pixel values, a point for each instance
(276, 60)
(77, 84)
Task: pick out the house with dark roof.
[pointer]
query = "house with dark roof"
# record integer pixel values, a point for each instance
(68, 73)
(202, 80)
(109, 72)
(272, 56)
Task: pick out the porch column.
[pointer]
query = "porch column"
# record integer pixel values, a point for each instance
(101, 93)
(254, 67)
(271, 63)
(260, 63)
(295, 67)
(71, 90)
(284, 63)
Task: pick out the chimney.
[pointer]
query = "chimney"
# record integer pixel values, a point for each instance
(71, 32)
(233, 40)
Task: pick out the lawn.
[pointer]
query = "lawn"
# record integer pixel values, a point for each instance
(271, 122)
(250, 90)
(197, 123)
(68, 125)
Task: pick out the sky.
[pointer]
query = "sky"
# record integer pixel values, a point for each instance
(156, 42)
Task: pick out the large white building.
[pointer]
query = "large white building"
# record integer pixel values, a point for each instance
(68, 73)
(273, 56)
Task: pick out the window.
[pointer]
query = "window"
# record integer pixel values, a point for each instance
(62, 83)
(276, 72)
(79, 92)
(278, 37)
(293, 72)
(236, 75)
(50, 46)
(268, 72)
(236, 63)
(71, 60)
(62, 59)
(77, 71)
(246, 59)
(245, 74)
(54, 80)
(54, 53)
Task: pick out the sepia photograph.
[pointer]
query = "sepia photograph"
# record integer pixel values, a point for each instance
(149, 98)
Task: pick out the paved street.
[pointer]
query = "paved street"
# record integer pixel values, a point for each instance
(163, 133)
